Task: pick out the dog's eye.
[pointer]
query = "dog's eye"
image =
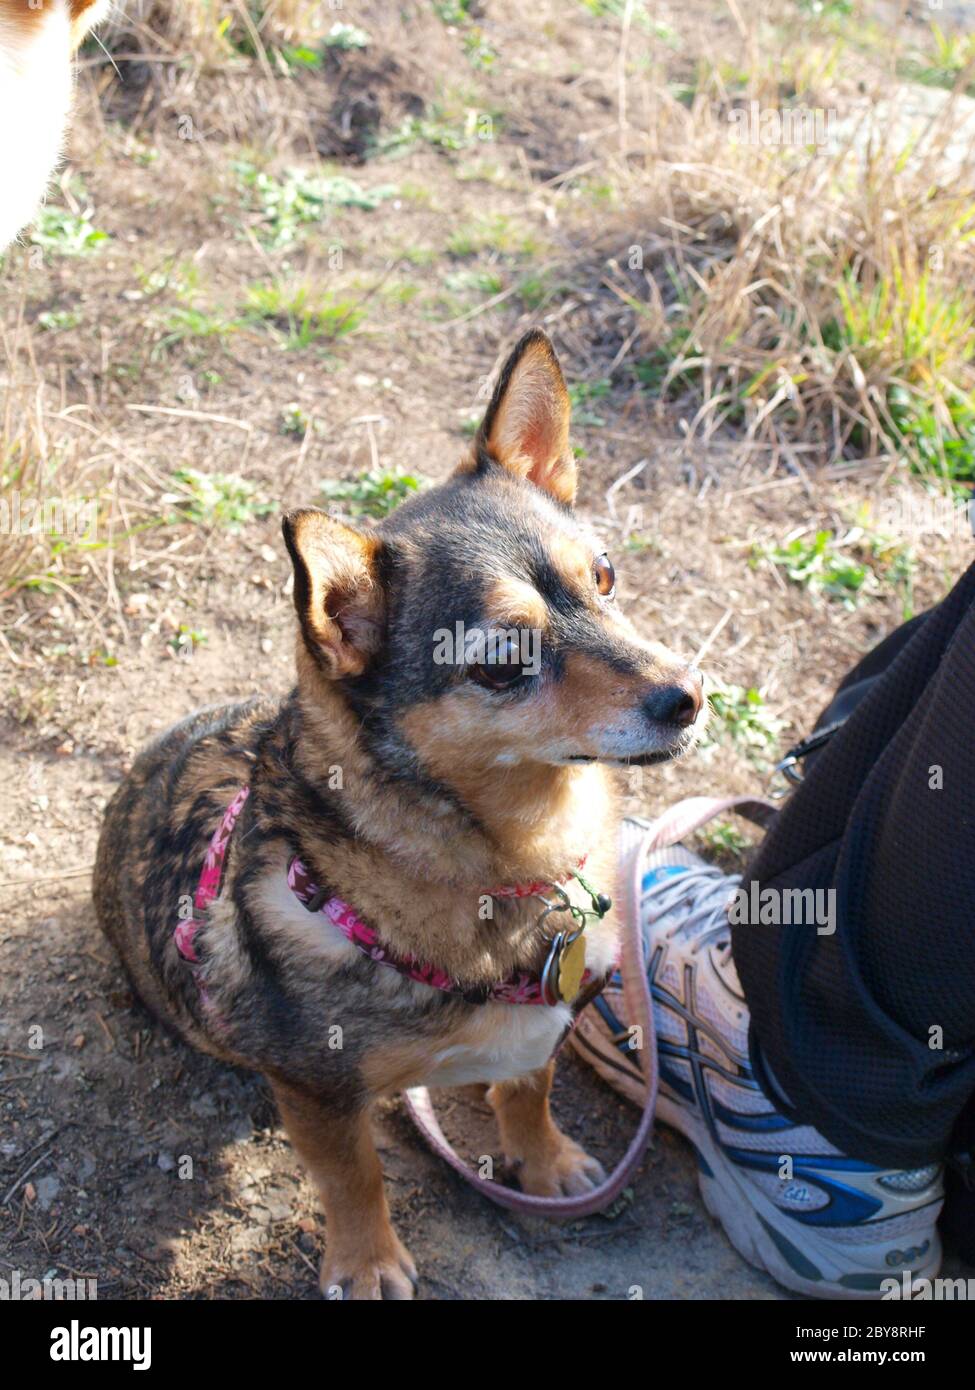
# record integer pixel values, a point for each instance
(501, 669)
(605, 576)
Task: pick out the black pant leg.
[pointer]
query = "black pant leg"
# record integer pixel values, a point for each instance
(849, 1022)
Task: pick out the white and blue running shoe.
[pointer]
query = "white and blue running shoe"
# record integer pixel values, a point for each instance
(820, 1223)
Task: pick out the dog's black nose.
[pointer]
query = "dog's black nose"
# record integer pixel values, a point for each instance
(679, 703)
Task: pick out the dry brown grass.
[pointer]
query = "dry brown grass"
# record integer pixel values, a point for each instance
(817, 300)
(50, 486)
(789, 296)
(224, 65)
(23, 448)
(208, 30)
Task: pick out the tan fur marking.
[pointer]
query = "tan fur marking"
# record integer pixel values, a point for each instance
(504, 754)
(548, 1162)
(418, 878)
(85, 14)
(574, 561)
(467, 465)
(364, 1257)
(511, 602)
(524, 801)
(493, 1040)
(22, 16)
(591, 692)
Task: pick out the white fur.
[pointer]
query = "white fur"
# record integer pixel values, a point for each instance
(519, 1038)
(310, 930)
(35, 97)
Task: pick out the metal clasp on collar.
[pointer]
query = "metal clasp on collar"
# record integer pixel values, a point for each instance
(563, 904)
(566, 961)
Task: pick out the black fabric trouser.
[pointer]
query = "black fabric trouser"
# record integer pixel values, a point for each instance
(870, 1030)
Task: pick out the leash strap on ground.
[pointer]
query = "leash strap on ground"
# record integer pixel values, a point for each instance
(675, 823)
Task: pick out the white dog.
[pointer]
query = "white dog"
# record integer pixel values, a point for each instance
(37, 40)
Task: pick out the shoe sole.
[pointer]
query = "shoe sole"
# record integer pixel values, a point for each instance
(747, 1217)
(753, 1223)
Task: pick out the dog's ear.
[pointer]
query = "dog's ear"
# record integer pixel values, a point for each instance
(340, 601)
(526, 428)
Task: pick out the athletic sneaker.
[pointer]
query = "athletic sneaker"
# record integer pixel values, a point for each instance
(819, 1222)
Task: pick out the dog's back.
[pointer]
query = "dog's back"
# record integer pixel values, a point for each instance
(36, 44)
(156, 831)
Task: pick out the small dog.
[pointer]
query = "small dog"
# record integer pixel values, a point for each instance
(367, 917)
(37, 40)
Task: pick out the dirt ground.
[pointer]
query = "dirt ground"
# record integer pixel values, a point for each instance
(97, 1106)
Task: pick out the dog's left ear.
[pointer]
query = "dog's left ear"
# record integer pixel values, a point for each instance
(338, 596)
(526, 428)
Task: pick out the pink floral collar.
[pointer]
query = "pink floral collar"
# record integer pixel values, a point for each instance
(519, 988)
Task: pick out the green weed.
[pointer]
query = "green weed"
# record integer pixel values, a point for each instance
(375, 493)
(741, 717)
(216, 499)
(302, 315)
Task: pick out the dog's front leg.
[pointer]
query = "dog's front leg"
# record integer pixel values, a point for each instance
(547, 1162)
(364, 1258)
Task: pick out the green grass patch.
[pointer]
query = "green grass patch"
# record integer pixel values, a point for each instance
(185, 640)
(640, 16)
(294, 421)
(223, 500)
(471, 282)
(928, 331)
(57, 320)
(441, 131)
(740, 717)
(947, 58)
(846, 568)
(298, 199)
(582, 396)
(936, 444)
(346, 37)
(300, 315)
(185, 323)
(827, 9)
(724, 843)
(819, 564)
(66, 233)
(496, 233)
(375, 493)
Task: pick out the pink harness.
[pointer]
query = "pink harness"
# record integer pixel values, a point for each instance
(519, 988)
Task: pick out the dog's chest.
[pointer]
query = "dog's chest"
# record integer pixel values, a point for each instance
(500, 1042)
(495, 1041)
(503, 1041)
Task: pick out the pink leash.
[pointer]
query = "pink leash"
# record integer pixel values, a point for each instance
(680, 820)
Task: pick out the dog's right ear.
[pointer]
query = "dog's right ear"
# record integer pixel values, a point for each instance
(338, 595)
(526, 427)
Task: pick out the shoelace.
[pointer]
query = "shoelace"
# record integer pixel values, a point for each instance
(703, 893)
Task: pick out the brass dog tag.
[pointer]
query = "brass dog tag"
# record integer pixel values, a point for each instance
(565, 964)
(572, 966)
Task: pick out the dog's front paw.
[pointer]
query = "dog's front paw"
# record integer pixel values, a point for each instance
(361, 1277)
(562, 1169)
